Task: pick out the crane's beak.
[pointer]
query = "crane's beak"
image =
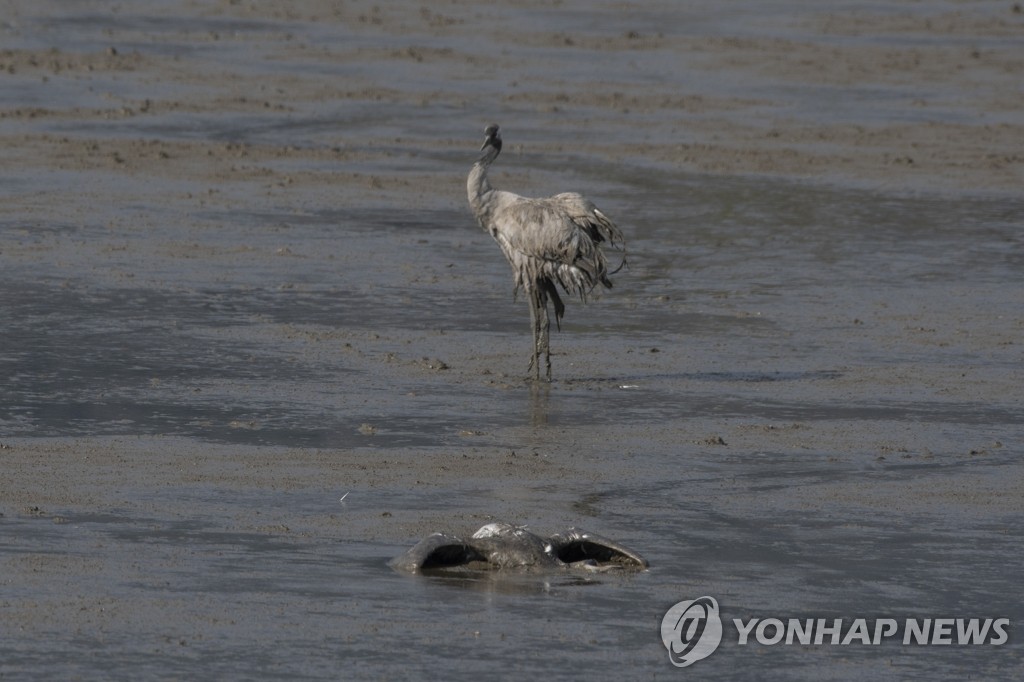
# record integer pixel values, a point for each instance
(484, 145)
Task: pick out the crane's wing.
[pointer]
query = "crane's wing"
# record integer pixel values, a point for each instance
(438, 550)
(557, 238)
(590, 218)
(535, 227)
(575, 545)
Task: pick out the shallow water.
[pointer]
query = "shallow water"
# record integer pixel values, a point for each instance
(802, 399)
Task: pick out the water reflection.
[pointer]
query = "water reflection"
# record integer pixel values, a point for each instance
(540, 393)
(514, 582)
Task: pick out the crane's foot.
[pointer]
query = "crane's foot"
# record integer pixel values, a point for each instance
(533, 371)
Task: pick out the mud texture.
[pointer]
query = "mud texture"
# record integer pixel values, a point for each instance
(254, 345)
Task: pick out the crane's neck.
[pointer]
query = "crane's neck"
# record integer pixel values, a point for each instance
(478, 187)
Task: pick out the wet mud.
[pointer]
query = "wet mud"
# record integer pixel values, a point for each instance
(254, 345)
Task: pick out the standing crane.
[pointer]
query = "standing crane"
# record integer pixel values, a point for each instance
(546, 241)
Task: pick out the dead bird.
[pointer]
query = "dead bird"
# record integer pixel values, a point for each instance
(504, 546)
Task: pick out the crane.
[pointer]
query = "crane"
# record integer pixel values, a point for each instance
(547, 241)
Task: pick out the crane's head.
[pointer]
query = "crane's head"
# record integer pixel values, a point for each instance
(491, 137)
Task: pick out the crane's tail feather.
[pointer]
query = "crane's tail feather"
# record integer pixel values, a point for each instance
(621, 265)
(607, 229)
(602, 229)
(548, 287)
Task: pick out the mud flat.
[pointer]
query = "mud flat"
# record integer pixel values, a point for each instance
(254, 346)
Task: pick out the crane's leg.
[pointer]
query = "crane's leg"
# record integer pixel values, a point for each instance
(547, 288)
(534, 367)
(545, 335)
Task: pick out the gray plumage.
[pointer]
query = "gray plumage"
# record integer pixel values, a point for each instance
(504, 546)
(555, 240)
